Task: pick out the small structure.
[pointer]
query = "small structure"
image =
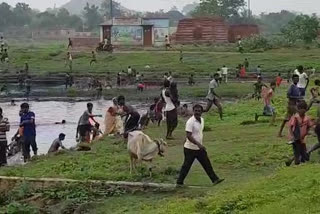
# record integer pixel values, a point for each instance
(202, 30)
(135, 31)
(242, 31)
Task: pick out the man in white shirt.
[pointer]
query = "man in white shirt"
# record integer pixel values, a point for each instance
(225, 73)
(194, 148)
(170, 110)
(303, 80)
(212, 97)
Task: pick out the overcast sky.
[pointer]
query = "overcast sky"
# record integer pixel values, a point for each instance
(258, 6)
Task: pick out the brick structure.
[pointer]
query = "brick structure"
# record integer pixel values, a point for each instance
(86, 42)
(202, 30)
(242, 31)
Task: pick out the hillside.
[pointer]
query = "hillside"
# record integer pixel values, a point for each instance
(76, 6)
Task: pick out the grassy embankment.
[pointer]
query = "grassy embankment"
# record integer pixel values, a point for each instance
(250, 157)
(48, 58)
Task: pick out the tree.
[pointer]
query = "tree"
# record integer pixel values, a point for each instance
(272, 23)
(189, 8)
(6, 16)
(244, 17)
(223, 8)
(22, 14)
(92, 16)
(303, 27)
(106, 8)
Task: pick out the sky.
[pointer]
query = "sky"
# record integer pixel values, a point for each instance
(257, 6)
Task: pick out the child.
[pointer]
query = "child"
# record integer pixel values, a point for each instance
(268, 109)
(57, 143)
(140, 87)
(299, 126)
(258, 88)
(94, 58)
(279, 80)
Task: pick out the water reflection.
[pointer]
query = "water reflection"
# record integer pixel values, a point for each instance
(47, 113)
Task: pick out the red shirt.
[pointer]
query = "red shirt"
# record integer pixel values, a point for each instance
(278, 81)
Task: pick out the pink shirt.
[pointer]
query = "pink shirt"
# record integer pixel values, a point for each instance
(305, 124)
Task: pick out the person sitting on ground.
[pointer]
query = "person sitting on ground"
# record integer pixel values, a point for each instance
(299, 126)
(191, 81)
(268, 109)
(57, 143)
(279, 80)
(212, 97)
(258, 86)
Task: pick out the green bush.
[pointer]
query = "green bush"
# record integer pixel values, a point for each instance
(72, 92)
(256, 42)
(17, 208)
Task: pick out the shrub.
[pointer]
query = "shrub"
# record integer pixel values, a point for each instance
(256, 42)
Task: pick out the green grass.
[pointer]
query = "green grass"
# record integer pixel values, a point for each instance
(48, 58)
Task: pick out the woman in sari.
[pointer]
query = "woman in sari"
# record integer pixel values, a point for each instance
(113, 122)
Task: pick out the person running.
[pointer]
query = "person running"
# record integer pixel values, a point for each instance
(299, 126)
(212, 97)
(57, 143)
(194, 148)
(94, 58)
(258, 86)
(170, 109)
(303, 80)
(4, 128)
(85, 124)
(279, 80)
(191, 81)
(27, 122)
(268, 110)
(70, 43)
(294, 98)
(181, 56)
(131, 114)
(225, 73)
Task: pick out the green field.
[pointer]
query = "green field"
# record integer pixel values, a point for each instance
(250, 158)
(48, 58)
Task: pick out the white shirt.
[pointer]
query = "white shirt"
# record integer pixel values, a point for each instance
(169, 104)
(212, 85)
(302, 79)
(196, 128)
(170, 78)
(129, 71)
(224, 70)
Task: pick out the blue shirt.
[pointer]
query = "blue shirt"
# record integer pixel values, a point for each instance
(294, 92)
(29, 129)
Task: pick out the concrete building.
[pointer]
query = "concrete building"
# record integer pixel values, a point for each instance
(135, 31)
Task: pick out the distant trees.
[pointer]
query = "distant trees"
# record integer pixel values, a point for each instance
(223, 8)
(272, 23)
(106, 9)
(91, 16)
(303, 27)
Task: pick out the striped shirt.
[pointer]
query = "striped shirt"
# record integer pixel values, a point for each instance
(4, 127)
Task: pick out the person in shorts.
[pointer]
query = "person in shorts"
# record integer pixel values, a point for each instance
(294, 97)
(212, 97)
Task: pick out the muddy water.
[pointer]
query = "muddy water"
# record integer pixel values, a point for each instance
(47, 113)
